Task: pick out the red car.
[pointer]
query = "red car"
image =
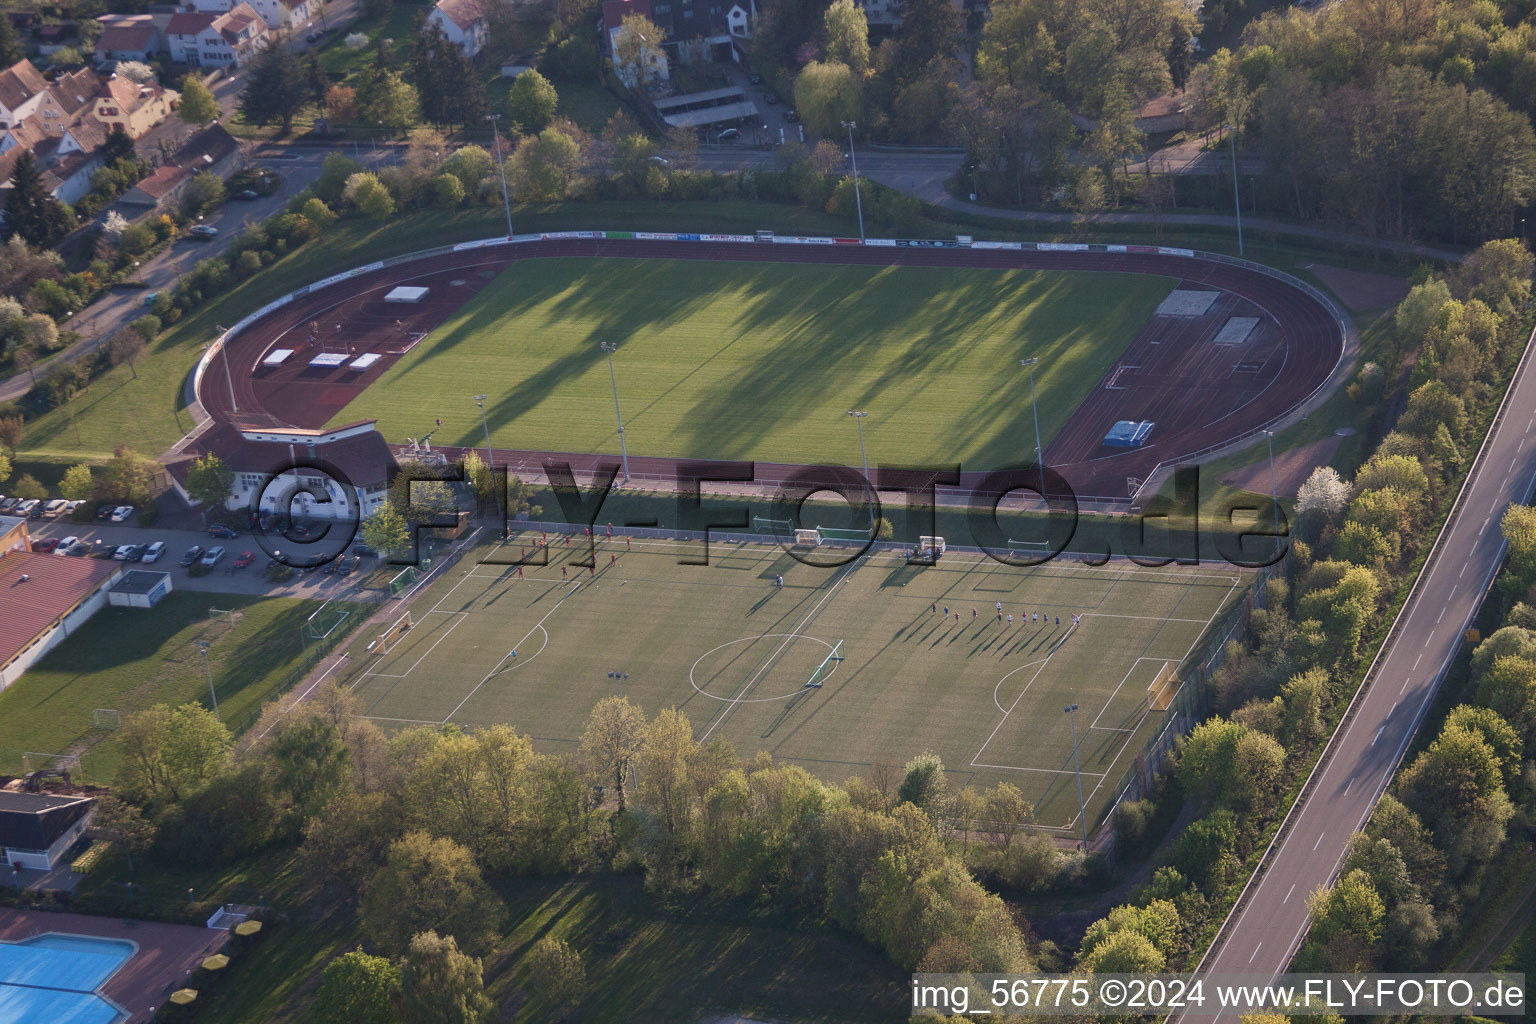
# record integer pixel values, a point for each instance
(45, 546)
(246, 558)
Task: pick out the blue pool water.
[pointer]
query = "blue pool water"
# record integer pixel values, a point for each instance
(52, 979)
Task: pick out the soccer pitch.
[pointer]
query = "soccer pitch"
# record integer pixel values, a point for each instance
(735, 651)
(763, 360)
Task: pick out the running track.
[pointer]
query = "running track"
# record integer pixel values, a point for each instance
(1193, 401)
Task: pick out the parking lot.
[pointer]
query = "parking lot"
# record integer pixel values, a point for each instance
(224, 578)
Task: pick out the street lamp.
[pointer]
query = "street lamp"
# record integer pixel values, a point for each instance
(854, 160)
(610, 348)
(858, 417)
(501, 171)
(1071, 712)
(202, 645)
(1237, 200)
(1029, 364)
(234, 405)
(480, 404)
(1269, 436)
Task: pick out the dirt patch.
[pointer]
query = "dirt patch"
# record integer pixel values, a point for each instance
(1291, 468)
(1360, 290)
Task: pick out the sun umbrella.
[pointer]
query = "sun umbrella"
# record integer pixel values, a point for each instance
(216, 962)
(183, 996)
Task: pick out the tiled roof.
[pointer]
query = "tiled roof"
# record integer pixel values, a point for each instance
(463, 13)
(189, 23)
(126, 39)
(363, 458)
(19, 83)
(36, 590)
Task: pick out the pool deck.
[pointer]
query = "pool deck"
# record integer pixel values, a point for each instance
(167, 952)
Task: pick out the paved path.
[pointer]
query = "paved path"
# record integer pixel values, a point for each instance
(1270, 919)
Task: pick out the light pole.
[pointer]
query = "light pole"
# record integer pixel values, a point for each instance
(1071, 710)
(1029, 364)
(229, 382)
(858, 417)
(1274, 498)
(501, 171)
(480, 404)
(1237, 199)
(853, 158)
(611, 347)
(202, 645)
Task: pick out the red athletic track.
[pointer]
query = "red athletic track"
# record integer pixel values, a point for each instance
(1188, 386)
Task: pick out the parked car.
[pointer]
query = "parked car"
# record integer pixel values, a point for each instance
(728, 135)
(247, 196)
(154, 551)
(47, 544)
(193, 554)
(27, 507)
(123, 552)
(121, 513)
(220, 530)
(150, 297)
(55, 508)
(6, 504)
(67, 545)
(246, 558)
(771, 98)
(346, 564)
(313, 36)
(791, 116)
(74, 505)
(202, 231)
(755, 78)
(105, 512)
(212, 556)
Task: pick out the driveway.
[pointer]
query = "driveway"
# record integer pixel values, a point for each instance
(224, 579)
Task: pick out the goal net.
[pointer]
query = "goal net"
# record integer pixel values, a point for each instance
(779, 527)
(33, 760)
(326, 619)
(838, 535)
(927, 546)
(1164, 687)
(825, 668)
(386, 640)
(807, 538)
(105, 718)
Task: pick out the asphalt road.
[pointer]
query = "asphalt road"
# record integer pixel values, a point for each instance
(1271, 920)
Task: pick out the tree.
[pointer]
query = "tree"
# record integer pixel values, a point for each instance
(206, 189)
(1456, 786)
(430, 883)
(356, 988)
(543, 165)
(198, 105)
(77, 485)
(169, 752)
(556, 976)
(637, 53)
(276, 89)
(340, 104)
(848, 35)
(28, 486)
(1347, 921)
(532, 101)
(924, 784)
(129, 476)
(451, 91)
(31, 213)
(315, 77)
(349, 840)
(443, 985)
(370, 196)
(1519, 526)
(12, 426)
(389, 100)
(125, 824)
(826, 95)
(11, 52)
(311, 763)
(471, 165)
(447, 191)
(1323, 494)
(125, 347)
(611, 741)
(6, 468)
(1508, 688)
(385, 531)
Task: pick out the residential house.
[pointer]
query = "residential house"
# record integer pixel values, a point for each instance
(279, 15)
(127, 37)
(184, 33)
(696, 31)
(22, 91)
(136, 106)
(463, 22)
(232, 38)
(211, 149)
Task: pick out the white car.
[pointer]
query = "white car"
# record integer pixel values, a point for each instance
(122, 552)
(24, 510)
(154, 551)
(211, 556)
(121, 512)
(66, 545)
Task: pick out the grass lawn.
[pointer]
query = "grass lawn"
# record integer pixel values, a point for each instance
(399, 24)
(736, 652)
(589, 104)
(130, 658)
(763, 361)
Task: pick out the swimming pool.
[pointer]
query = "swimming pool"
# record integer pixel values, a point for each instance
(53, 978)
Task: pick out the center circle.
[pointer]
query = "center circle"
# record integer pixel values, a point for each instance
(744, 667)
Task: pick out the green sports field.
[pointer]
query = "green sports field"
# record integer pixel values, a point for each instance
(733, 650)
(764, 360)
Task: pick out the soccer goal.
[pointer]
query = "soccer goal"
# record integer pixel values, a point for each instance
(1028, 547)
(228, 616)
(930, 546)
(35, 760)
(1164, 687)
(106, 718)
(386, 640)
(326, 619)
(825, 668)
(778, 527)
(838, 535)
(807, 538)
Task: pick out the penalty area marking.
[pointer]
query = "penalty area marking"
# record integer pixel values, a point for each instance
(753, 639)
